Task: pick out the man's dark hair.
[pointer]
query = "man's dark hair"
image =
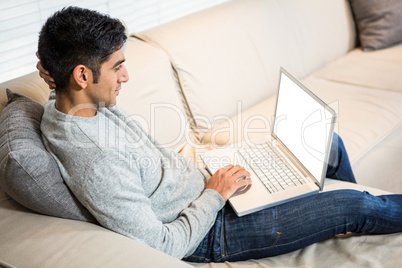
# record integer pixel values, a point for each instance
(74, 36)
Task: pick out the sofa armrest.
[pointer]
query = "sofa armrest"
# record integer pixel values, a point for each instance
(33, 240)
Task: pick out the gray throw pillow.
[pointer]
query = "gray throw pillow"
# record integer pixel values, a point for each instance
(28, 173)
(379, 22)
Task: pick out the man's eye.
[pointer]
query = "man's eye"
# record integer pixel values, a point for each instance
(118, 67)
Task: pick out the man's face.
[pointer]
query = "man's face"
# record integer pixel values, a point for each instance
(112, 74)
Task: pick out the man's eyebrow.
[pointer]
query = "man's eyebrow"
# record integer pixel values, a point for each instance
(118, 63)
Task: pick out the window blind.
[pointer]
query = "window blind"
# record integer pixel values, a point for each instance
(21, 21)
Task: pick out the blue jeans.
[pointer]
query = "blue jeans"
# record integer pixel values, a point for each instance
(302, 222)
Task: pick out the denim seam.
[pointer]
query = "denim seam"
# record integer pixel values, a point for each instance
(278, 234)
(322, 231)
(224, 250)
(200, 258)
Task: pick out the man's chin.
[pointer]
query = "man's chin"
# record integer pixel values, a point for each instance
(106, 104)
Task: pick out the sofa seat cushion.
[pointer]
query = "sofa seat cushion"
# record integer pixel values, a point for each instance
(333, 185)
(365, 115)
(381, 166)
(28, 173)
(380, 69)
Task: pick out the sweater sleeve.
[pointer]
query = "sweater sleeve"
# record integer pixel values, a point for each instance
(111, 190)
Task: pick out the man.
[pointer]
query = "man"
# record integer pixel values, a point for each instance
(135, 187)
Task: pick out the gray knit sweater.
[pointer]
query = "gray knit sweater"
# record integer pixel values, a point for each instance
(130, 183)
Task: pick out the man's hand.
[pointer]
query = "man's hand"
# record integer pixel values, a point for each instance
(45, 74)
(227, 180)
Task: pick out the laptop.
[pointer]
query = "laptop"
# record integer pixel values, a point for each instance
(291, 162)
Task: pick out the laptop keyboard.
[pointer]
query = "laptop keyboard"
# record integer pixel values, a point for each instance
(271, 168)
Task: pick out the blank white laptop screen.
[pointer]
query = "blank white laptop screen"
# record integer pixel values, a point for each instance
(303, 125)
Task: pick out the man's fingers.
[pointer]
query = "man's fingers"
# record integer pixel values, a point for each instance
(41, 69)
(228, 167)
(235, 172)
(235, 168)
(45, 76)
(241, 175)
(227, 180)
(51, 85)
(43, 72)
(243, 185)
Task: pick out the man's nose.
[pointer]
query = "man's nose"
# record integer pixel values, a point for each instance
(124, 75)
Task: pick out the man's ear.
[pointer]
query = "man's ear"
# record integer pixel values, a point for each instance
(81, 75)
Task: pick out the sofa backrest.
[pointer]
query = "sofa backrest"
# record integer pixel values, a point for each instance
(30, 85)
(151, 96)
(233, 52)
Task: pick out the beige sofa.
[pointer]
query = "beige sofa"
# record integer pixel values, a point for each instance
(210, 79)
